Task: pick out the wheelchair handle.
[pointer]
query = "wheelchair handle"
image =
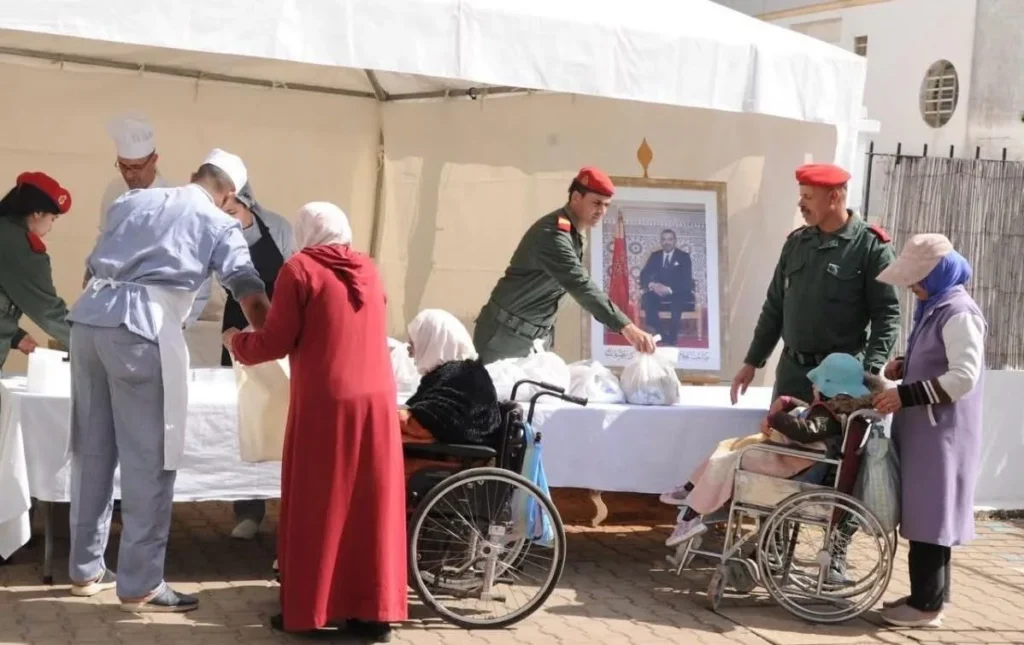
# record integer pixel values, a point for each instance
(578, 400)
(542, 385)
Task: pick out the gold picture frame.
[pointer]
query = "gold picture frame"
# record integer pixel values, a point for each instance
(714, 193)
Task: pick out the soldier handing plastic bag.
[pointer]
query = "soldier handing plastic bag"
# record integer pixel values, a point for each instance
(651, 378)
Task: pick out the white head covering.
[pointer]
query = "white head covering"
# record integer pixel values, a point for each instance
(438, 337)
(231, 165)
(133, 136)
(322, 223)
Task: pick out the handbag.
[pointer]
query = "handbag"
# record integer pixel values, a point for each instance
(529, 515)
(263, 394)
(878, 482)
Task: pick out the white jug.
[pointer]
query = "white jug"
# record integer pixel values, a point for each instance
(48, 374)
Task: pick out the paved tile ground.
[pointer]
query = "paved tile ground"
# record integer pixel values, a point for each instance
(616, 589)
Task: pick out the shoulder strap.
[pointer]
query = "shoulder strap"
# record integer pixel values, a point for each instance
(796, 232)
(880, 233)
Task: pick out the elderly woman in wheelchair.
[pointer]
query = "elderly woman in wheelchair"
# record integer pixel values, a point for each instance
(799, 443)
(486, 544)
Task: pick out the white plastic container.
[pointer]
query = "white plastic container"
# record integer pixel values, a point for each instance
(48, 374)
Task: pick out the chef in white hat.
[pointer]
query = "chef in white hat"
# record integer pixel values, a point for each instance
(129, 369)
(136, 160)
(136, 163)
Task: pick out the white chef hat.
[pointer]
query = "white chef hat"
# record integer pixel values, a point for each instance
(133, 136)
(231, 165)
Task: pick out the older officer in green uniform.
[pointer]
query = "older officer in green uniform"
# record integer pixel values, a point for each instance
(547, 264)
(824, 293)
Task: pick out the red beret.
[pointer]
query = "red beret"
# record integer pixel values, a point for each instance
(60, 195)
(821, 174)
(594, 180)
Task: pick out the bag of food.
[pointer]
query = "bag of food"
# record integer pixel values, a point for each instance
(262, 409)
(505, 374)
(594, 382)
(544, 366)
(407, 377)
(650, 379)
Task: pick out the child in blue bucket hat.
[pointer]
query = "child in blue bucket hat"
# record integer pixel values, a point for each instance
(841, 387)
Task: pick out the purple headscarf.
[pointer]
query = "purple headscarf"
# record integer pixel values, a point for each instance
(952, 271)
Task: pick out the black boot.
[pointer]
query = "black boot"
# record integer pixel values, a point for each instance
(370, 630)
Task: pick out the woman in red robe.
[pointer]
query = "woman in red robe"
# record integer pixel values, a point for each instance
(342, 536)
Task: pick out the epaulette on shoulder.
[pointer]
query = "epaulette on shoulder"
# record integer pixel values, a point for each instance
(796, 232)
(880, 233)
(563, 224)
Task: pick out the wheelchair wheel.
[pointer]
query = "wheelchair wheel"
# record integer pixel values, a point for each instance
(824, 556)
(716, 586)
(471, 559)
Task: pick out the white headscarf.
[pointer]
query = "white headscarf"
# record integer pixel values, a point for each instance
(322, 223)
(438, 337)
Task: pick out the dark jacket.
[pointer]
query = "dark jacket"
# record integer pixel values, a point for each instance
(678, 276)
(825, 421)
(457, 403)
(26, 287)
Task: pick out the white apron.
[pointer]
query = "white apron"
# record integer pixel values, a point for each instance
(169, 309)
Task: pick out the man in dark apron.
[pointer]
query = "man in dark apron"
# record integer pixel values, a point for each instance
(271, 243)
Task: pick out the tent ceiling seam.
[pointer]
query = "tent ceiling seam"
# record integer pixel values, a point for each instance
(379, 93)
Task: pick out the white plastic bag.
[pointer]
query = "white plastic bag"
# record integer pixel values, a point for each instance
(545, 367)
(407, 377)
(262, 409)
(651, 379)
(595, 382)
(878, 482)
(505, 374)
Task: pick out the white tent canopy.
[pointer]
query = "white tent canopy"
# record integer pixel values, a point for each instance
(692, 53)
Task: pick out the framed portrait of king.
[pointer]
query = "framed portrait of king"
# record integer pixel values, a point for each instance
(660, 255)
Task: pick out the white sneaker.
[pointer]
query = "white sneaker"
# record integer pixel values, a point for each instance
(106, 581)
(675, 497)
(245, 530)
(686, 530)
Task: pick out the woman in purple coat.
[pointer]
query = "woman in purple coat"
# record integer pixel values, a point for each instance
(937, 423)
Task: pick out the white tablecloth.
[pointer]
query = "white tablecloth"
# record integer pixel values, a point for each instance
(34, 431)
(601, 447)
(642, 449)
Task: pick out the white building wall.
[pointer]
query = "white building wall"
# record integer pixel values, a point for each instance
(904, 38)
(997, 93)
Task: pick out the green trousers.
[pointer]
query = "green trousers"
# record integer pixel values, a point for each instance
(791, 380)
(494, 341)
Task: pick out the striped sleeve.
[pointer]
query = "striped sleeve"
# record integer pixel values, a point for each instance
(964, 338)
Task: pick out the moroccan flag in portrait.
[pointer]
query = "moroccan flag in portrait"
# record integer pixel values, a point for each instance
(619, 282)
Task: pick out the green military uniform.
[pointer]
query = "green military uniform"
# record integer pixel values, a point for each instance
(822, 298)
(26, 286)
(547, 264)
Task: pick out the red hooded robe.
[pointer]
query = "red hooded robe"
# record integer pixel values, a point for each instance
(342, 535)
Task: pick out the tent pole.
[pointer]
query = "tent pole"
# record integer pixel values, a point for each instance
(182, 72)
(471, 93)
(377, 226)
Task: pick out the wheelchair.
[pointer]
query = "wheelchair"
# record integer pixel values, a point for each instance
(486, 544)
(819, 581)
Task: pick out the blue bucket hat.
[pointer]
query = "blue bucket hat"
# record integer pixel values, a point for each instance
(839, 374)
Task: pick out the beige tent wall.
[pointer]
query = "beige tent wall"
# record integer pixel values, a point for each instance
(298, 146)
(465, 179)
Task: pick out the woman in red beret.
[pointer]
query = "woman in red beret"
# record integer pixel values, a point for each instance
(27, 213)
